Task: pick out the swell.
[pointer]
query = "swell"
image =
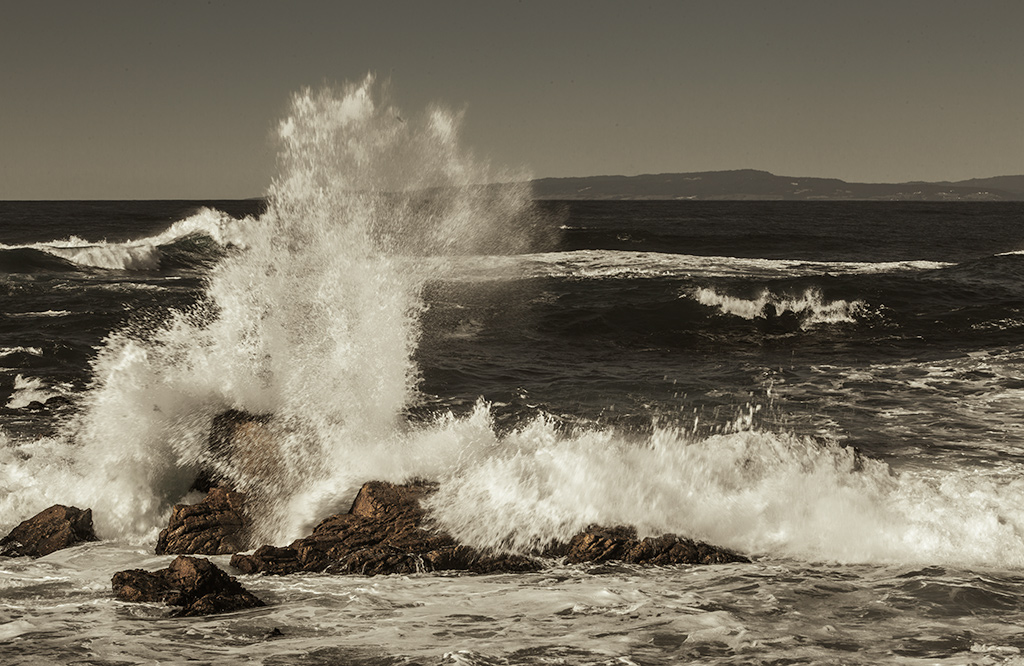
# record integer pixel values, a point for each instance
(945, 304)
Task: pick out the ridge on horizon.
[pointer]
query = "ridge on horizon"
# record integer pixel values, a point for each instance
(721, 185)
(756, 184)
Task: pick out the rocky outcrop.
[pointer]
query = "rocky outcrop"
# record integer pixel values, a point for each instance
(604, 544)
(193, 583)
(215, 526)
(48, 531)
(381, 534)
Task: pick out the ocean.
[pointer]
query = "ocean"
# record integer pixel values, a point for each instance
(833, 389)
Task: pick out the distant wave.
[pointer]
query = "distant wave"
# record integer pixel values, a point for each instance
(29, 390)
(622, 264)
(810, 308)
(194, 241)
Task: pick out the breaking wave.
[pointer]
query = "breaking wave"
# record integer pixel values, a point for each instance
(195, 241)
(810, 307)
(755, 491)
(313, 319)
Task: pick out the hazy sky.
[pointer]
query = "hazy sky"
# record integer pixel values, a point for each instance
(179, 99)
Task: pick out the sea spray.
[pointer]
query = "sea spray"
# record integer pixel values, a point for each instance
(312, 319)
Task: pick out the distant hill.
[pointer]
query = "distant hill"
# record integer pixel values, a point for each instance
(751, 184)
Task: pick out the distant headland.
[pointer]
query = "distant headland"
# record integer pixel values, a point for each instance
(751, 184)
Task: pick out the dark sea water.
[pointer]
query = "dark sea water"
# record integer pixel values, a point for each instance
(701, 367)
(834, 389)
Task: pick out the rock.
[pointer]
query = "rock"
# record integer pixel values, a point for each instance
(381, 534)
(193, 583)
(603, 544)
(215, 526)
(48, 531)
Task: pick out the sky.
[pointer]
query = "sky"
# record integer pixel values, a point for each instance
(152, 100)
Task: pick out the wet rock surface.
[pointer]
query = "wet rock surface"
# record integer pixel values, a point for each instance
(383, 533)
(215, 526)
(604, 544)
(49, 530)
(194, 583)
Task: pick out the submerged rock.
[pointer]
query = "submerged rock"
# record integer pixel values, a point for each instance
(381, 534)
(50, 530)
(215, 526)
(193, 583)
(241, 442)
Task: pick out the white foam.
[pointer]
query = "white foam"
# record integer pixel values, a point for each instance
(44, 313)
(618, 264)
(758, 492)
(7, 351)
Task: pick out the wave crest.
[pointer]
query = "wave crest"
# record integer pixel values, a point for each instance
(810, 308)
(151, 253)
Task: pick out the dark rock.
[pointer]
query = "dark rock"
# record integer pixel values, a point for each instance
(215, 526)
(381, 534)
(603, 544)
(48, 531)
(193, 583)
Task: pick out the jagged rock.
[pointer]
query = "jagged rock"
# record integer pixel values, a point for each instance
(50, 530)
(215, 526)
(380, 534)
(194, 583)
(603, 544)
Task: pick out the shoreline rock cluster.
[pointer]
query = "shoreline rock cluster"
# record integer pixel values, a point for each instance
(194, 583)
(384, 532)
